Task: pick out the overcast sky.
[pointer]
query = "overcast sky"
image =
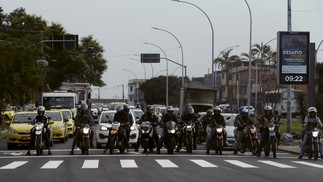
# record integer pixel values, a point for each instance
(121, 27)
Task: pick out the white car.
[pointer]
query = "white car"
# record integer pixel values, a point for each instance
(104, 122)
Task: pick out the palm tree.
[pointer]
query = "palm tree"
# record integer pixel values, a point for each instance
(225, 63)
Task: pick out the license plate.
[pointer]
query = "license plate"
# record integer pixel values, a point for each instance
(25, 138)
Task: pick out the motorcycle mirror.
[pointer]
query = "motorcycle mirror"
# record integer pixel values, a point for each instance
(51, 122)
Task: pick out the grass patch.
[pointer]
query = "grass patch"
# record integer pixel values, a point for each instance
(296, 125)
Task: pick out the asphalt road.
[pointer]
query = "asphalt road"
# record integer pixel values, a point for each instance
(136, 166)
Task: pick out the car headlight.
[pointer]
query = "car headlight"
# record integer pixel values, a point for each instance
(11, 130)
(104, 128)
(59, 127)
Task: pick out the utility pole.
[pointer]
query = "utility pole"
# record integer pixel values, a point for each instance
(289, 87)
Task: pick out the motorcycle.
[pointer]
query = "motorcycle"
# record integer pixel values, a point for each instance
(189, 130)
(84, 142)
(171, 130)
(312, 144)
(271, 143)
(147, 140)
(40, 130)
(200, 133)
(113, 135)
(218, 139)
(250, 140)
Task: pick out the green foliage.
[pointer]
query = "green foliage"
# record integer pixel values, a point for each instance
(155, 90)
(23, 41)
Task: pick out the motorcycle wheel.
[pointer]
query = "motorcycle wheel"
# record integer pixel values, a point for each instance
(111, 144)
(171, 145)
(219, 146)
(189, 145)
(254, 146)
(86, 146)
(38, 145)
(309, 150)
(315, 150)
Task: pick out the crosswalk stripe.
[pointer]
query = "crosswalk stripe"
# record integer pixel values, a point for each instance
(90, 164)
(14, 165)
(52, 164)
(309, 164)
(128, 163)
(276, 164)
(203, 163)
(240, 164)
(166, 163)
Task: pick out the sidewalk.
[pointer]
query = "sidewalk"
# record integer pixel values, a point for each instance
(291, 148)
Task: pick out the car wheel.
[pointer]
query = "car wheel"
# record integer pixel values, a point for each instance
(10, 146)
(98, 146)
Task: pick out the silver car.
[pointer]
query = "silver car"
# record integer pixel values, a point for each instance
(102, 132)
(230, 129)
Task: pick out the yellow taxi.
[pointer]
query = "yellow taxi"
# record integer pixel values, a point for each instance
(19, 129)
(67, 114)
(59, 127)
(9, 112)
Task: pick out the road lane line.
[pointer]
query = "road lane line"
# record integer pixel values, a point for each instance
(203, 163)
(14, 165)
(90, 164)
(128, 163)
(165, 163)
(276, 164)
(309, 164)
(52, 164)
(240, 164)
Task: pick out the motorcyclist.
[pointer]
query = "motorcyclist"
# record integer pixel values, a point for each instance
(188, 116)
(40, 117)
(268, 117)
(83, 117)
(125, 119)
(169, 116)
(217, 119)
(310, 121)
(241, 121)
(207, 118)
(153, 119)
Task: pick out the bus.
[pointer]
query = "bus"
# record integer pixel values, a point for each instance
(278, 100)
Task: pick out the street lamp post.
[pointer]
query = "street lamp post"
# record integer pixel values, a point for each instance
(212, 30)
(250, 42)
(166, 103)
(142, 65)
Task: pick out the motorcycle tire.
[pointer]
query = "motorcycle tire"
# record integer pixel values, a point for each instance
(189, 145)
(86, 146)
(219, 147)
(38, 145)
(309, 151)
(315, 145)
(111, 144)
(274, 147)
(254, 146)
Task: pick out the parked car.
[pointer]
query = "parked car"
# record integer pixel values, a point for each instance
(104, 122)
(59, 127)
(19, 129)
(67, 114)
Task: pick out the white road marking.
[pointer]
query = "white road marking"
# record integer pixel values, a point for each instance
(14, 165)
(276, 164)
(52, 164)
(203, 163)
(240, 164)
(128, 163)
(166, 163)
(90, 164)
(309, 164)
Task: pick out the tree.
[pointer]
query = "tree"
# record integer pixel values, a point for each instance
(226, 62)
(154, 90)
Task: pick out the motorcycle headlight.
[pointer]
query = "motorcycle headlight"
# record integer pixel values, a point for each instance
(132, 128)
(38, 127)
(315, 133)
(271, 129)
(189, 126)
(172, 131)
(253, 130)
(70, 123)
(219, 130)
(86, 130)
(11, 130)
(103, 128)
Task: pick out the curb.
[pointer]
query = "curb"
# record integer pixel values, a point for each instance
(289, 151)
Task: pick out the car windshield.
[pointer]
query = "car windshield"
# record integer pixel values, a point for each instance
(229, 120)
(138, 113)
(24, 118)
(55, 116)
(67, 114)
(107, 117)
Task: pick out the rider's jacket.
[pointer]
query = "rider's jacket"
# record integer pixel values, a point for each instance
(240, 121)
(266, 119)
(312, 122)
(43, 119)
(151, 117)
(84, 118)
(219, 120)
(123, 118)
(169, 117)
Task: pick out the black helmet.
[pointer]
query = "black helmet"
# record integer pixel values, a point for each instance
(126, 107)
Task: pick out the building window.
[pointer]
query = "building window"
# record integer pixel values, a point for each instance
(131, 89)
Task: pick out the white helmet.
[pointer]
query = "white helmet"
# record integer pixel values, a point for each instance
(312, 109)
(268, 108)
(41, 109)
(217, 108)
